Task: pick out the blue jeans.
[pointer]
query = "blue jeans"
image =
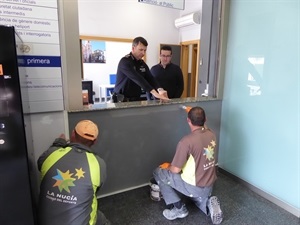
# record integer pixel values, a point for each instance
(168, 182)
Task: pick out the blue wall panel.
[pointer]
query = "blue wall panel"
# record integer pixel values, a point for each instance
(259, 138)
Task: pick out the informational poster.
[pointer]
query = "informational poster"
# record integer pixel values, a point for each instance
(93, 51)
(175, 4)
(36, 22)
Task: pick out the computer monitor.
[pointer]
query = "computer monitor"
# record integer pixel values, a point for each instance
(88, 85)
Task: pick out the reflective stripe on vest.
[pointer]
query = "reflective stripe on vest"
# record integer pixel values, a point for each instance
(53, 158)
(95, 178)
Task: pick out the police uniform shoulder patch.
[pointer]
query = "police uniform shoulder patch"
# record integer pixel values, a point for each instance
(127, 56)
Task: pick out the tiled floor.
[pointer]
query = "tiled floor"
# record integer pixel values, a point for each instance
(240, 206)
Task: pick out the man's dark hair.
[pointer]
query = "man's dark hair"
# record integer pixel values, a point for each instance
(166, 48)
(138, 40)
(197, 116)
(83, 141)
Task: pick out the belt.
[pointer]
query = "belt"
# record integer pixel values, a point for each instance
(131, 99)
(121, 98)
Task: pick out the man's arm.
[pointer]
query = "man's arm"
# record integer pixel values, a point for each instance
(127, 68)
(180, 83)
(58, 143)
(103, 173)
(148, 84)
(174, 169)
(180, 157)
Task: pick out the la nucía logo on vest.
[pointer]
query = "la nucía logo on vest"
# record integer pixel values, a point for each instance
(65, 180)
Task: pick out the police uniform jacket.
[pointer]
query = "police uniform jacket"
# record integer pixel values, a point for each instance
(132, 75)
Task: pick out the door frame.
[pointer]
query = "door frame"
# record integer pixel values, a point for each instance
(190, 58)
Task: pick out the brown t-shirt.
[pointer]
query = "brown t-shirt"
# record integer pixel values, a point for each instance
(196, 155)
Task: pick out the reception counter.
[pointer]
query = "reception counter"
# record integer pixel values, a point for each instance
(135, 137)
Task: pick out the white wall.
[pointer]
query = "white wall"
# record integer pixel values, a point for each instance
(191, 6)
(128, 19)
(191, 32)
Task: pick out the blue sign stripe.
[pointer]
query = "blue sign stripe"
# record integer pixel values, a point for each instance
(39, 61)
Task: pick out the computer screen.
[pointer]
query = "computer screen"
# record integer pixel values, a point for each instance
(88, 85)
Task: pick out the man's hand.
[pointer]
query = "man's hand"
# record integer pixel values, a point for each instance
(161, 95)
(168, 166)
(164, 93)
(165, 165)
(62, 136)
(174, 169)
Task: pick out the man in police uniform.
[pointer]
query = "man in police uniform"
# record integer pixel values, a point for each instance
(71, 176)
(133, 75)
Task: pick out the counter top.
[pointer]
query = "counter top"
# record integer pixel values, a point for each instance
(122, 105)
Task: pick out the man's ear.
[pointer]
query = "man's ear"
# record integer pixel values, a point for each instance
(188, 120)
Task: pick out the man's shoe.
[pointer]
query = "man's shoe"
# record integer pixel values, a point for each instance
(174, 213)
(215, 211)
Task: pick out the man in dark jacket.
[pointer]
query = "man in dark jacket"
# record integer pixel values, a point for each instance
(168, 74)
(71, 176)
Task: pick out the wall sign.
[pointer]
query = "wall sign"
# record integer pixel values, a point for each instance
(36, 22)
(175, 4)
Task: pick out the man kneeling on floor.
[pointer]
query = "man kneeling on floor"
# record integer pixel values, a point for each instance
(192, 171)
(71, 177)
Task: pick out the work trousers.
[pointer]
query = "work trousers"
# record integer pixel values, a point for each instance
(169, 183)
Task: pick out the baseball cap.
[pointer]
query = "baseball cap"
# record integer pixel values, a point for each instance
(87, 129)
